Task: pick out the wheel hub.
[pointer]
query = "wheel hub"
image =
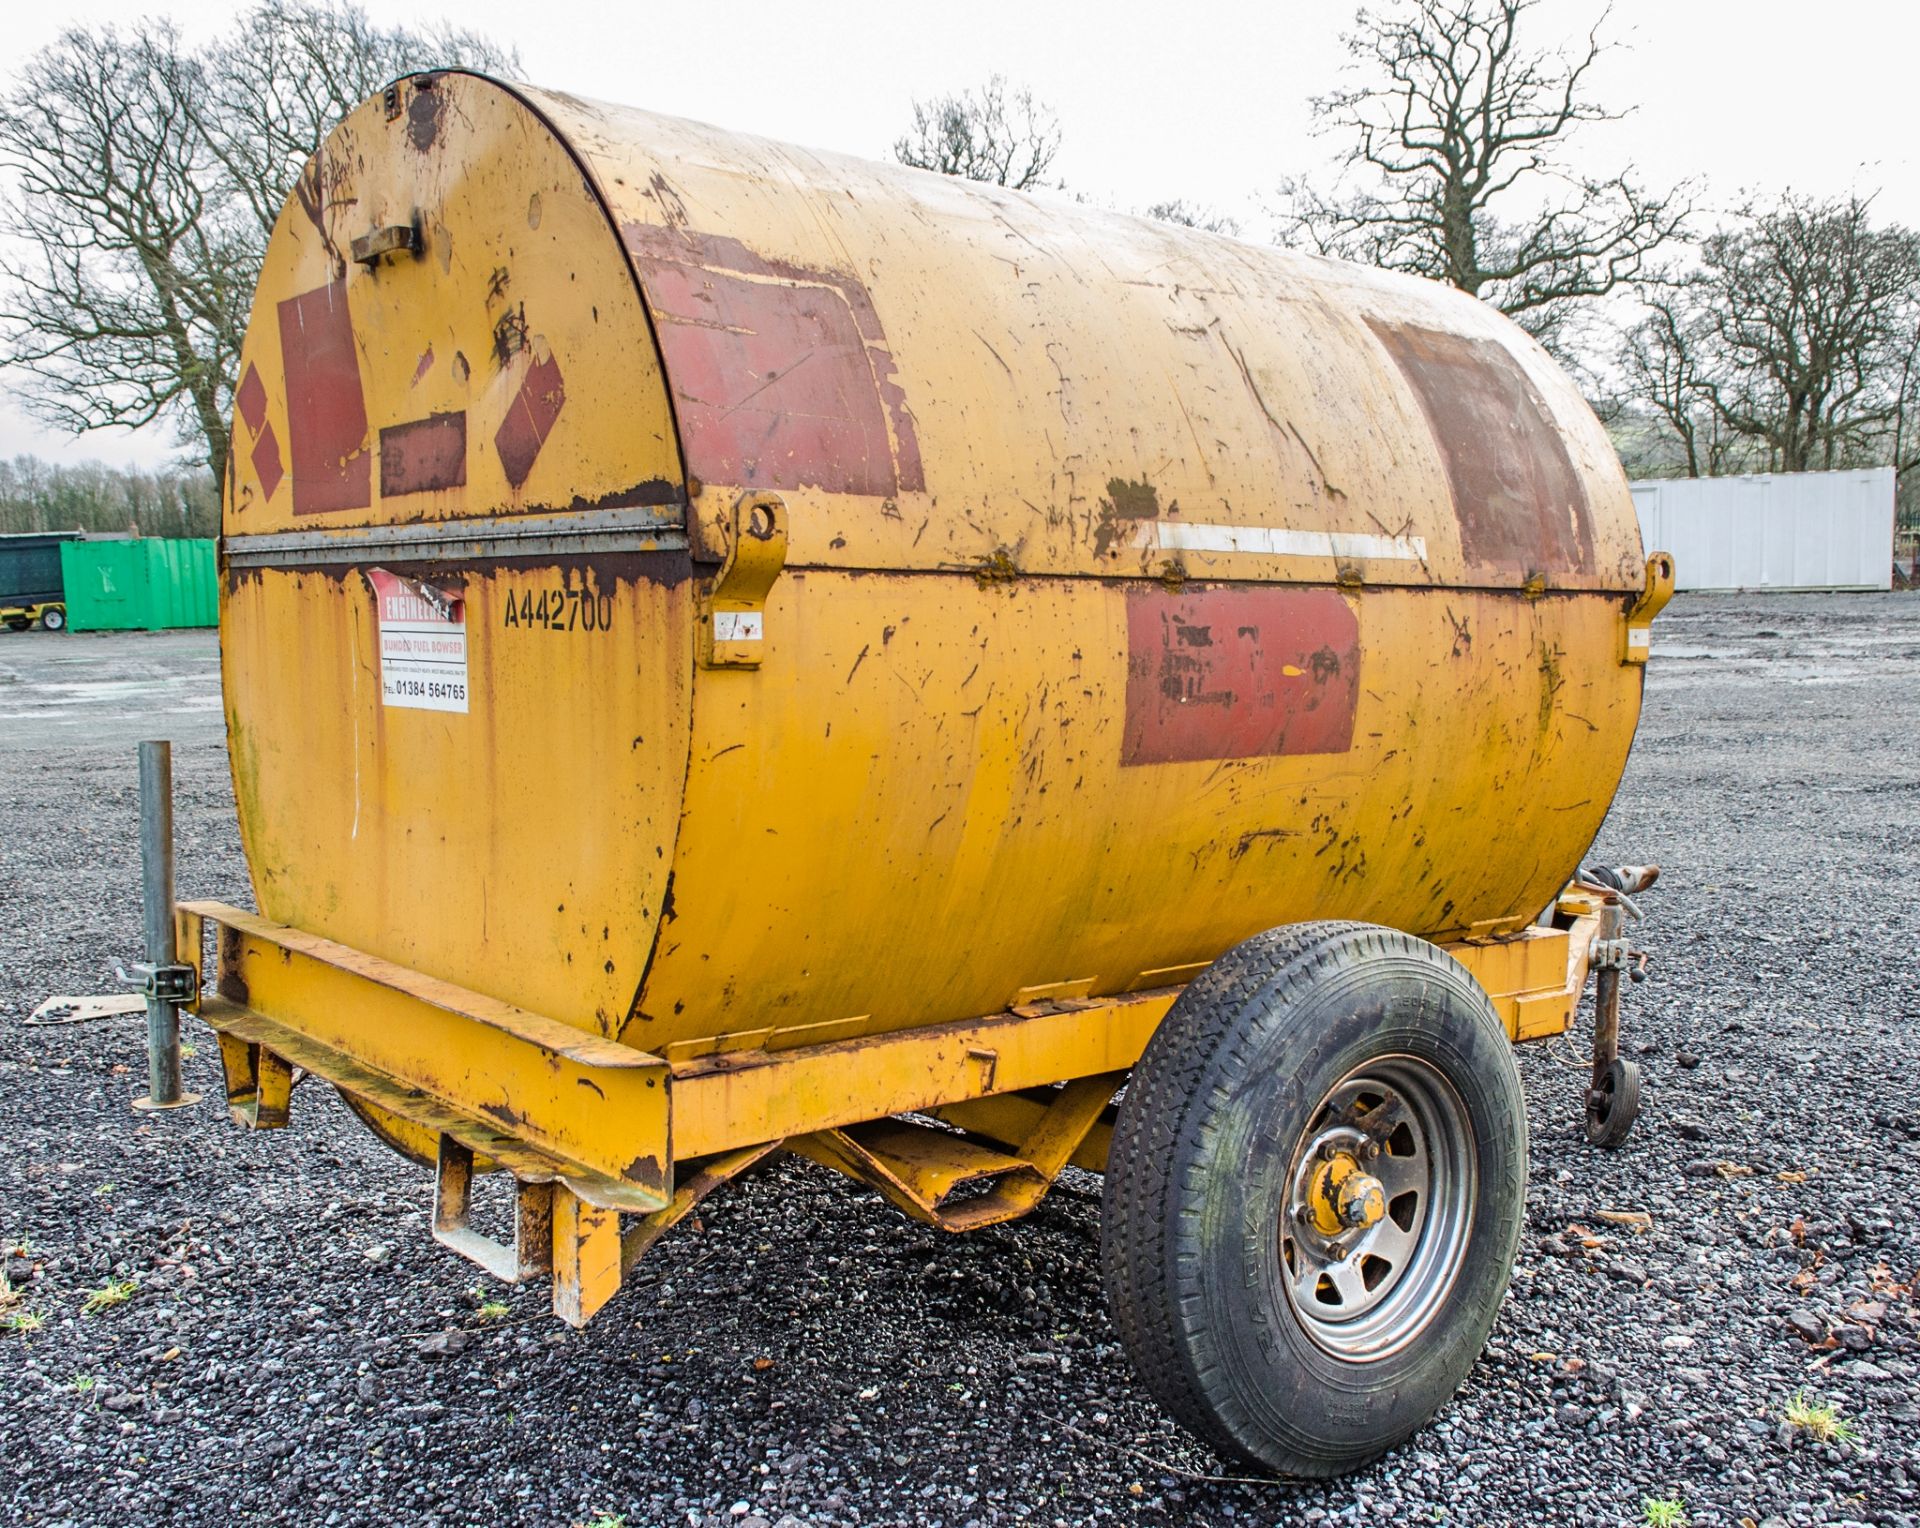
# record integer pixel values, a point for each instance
(1380, 1201)
(1345, 1198)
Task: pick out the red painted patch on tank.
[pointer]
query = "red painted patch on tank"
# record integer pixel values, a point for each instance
(1238, 673)
(781, 375)
(530, 419)
(1519, 503)
(326, 410)
(266, 462)
(423, 454)
(252, 399)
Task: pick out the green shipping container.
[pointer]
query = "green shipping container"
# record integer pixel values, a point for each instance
(140, 585)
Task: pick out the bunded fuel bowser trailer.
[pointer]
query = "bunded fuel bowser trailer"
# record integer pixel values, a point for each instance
(731, 650)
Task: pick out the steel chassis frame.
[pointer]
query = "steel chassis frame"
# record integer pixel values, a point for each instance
(592, 1131)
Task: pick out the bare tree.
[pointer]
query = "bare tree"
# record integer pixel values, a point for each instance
(133, 306)
(1661, 361)
(1906, 425)
(1791, 343)
(148, 177)
(1456, 167)
(998, 135)
(296, 68)
(37, 495)
(1192, 215)
(1810, 307)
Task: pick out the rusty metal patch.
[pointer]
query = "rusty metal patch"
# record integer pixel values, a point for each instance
(781, 374)
(423, 116)
(326, 409)
(1239, 673)
(530, 419)
(424, 454)
(1519, 503)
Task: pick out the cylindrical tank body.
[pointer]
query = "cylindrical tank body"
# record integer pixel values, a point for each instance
(1143, 588)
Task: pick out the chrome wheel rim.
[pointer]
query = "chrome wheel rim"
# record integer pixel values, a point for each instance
(1365, 1273)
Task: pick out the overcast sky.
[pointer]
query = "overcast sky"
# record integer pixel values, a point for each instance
(1199, 99)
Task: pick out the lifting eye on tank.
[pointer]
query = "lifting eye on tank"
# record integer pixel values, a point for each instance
(1638, 630)
(731, 628)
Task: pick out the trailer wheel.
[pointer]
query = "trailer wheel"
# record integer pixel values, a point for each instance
(1615, 1104)
(1315, 1188)
(53, 618)
(15, 623)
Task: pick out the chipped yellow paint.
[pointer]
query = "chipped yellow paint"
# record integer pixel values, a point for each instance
(515, 266)
(1024, 854)
(434, 840)
(1065, 368)
(997, 430)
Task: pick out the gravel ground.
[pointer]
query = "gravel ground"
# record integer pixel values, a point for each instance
(295, 1348)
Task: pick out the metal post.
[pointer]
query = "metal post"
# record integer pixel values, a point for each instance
(1606, 992)
(156, 916)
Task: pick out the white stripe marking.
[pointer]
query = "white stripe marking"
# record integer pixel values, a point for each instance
(1184, 536)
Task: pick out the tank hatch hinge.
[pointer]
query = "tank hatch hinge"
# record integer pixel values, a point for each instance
(733, 613)
(1653, 599)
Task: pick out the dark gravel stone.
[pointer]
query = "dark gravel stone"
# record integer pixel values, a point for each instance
(1807, 1324)
(923, 1379)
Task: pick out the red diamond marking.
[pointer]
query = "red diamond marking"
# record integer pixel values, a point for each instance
(266, 462)
(530, 419)
(252, 399)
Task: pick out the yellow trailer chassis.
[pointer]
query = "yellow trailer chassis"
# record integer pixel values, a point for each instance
(593, 1130)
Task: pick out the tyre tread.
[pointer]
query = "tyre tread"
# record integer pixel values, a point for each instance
(1148, 1221)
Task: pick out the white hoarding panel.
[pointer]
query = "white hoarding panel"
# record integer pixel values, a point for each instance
(1785, 530)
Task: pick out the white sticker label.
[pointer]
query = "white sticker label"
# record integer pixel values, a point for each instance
(423, 644)
(1640, 636)
(736, 626)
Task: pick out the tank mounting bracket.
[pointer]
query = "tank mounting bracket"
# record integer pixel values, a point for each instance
(733, 614)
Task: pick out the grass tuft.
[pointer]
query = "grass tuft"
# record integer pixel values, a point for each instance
(23, 1323)
(113, 1292)
(1663, 1511)
(485, 1306)
(1819, 1420)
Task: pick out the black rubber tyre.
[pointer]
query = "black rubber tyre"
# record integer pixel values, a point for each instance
(1611, 1115)
(1201, 1172)
(53, 620)
(14, 623)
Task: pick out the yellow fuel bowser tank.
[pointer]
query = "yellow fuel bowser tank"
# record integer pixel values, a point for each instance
(725, 645)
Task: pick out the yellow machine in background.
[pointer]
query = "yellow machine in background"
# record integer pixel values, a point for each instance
(725, 646)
